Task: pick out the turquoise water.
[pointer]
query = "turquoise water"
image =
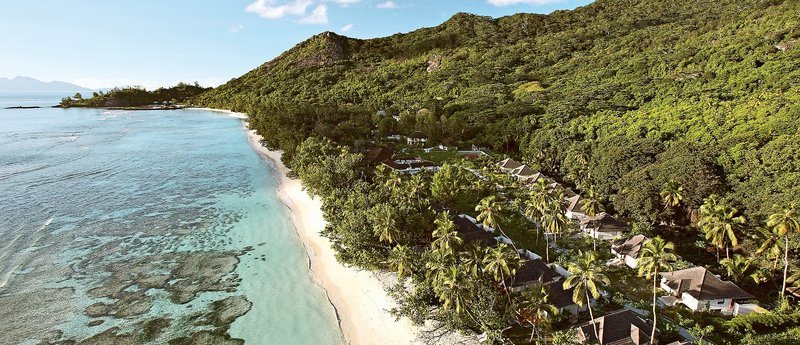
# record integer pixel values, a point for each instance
(144, 227)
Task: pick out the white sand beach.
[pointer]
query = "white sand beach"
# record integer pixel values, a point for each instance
(358, 296)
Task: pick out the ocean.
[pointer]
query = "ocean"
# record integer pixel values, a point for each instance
(146, 227)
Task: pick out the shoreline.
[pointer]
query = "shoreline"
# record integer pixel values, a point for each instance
(358, 297)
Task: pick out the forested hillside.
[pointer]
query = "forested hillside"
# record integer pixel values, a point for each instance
(622, 95)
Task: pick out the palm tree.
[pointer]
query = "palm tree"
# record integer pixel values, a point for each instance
(384, 223)
(738, 267)
(447, 239)
(591, 206)
(554, 220)
(501, 263)
(489, 214)
(656, 256)
(719, 222)
(672, 194)
(452, 288)
(771, 244)
(472, 258)
(535, 309)
(587, 274)
(415, 186)
(785, 223)
(401, 260)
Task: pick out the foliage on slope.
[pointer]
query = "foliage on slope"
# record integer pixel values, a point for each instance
(705, 92)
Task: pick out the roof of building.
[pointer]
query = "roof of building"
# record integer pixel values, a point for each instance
(471, 232)
(559, 297)
(794, 291)
(378, 154)
(534, 271)
(629, 247)
(417, 135)
(402, 164)
(622, 327)
(509, 163)
(701, 284)
(524, 171)
(604, 222)
(575, 204)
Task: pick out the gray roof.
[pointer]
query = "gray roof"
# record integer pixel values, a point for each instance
(534, 271)
(509, 163)
(701, 284)
(622, 327)
(604, 222)
(471, 232)
(630, 247)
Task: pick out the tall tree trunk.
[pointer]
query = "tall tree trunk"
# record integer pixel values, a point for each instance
(727, 253)
(655, 290)
(591, 315)
(547, 247)
(785, 266)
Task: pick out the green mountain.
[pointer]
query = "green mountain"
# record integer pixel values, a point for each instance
(623, 95)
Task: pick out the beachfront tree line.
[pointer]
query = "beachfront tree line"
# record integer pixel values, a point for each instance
(378, 219)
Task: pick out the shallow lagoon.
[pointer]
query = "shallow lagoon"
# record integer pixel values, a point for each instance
(146, 227)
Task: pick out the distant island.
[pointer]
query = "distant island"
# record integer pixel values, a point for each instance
(26, 84)
(137, 98)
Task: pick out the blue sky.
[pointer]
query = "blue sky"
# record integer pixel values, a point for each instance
(102, 43)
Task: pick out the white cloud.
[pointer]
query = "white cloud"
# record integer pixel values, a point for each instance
(235, 28)
(347, 28)
(391, 4)
(318, 16)
(346, 3)
(271, 10)
(501, 3)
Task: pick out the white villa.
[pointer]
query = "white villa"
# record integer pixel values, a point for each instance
(700, 290)
(604, 227)
(627, 251)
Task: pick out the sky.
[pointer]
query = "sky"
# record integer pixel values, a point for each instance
(152, 43)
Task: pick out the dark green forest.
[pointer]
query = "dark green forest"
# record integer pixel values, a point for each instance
(136, 97)
(626, 102)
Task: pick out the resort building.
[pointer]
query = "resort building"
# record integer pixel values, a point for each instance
(508, 165)
(533, 272)
(574, 207)
(627, 251)
(416, 138)
(411, 165)
(604, 227)
(470, 231)
(700, 290)
(622, 327)
(562, 299)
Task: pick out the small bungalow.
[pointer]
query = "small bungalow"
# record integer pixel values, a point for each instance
(562, 299)
(793, 292)
(700, 290)
(411, 165)
(574, 206)
(627, 251)
(604, 227)
(378, 154)
(533, 272)
(439, 147)
(469, 231)
(508, 165)
(525, 174)
(622, 327)
(416, 138)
